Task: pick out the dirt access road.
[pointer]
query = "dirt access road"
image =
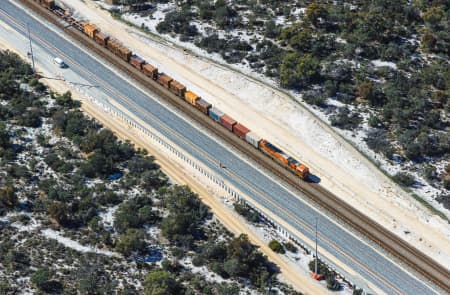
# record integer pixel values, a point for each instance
(274, 115)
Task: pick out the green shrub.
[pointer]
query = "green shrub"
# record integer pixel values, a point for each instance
(404, 179)
(40, 278)
(276, 247)
(290, 247)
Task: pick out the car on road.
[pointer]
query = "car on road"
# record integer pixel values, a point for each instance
(60, 62)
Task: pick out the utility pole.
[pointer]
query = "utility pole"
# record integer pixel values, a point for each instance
(31, 48)
(315, 260)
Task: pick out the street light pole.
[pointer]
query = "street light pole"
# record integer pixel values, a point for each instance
(31, 48)
(315, 260)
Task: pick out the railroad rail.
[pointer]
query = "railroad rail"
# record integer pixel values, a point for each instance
(399, 248)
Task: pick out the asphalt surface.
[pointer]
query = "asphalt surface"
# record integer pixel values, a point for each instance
(358, 255)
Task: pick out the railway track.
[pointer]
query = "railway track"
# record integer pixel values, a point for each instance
(399, 248)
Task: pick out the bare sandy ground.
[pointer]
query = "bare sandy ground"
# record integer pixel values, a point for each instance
(277, 117)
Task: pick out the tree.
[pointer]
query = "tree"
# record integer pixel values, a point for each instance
(232, 267)
(134, 213)
(307, 69)
(315, 12)
(428, 41)
(161, 283)
(65, 100)
(297, 71)
(8, 197)
(367, 90)
(434, 15)
(59, 212)
(290, 247)
(4, 137)
(271, 29)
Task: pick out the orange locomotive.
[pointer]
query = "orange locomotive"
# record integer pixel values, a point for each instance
(285, 160)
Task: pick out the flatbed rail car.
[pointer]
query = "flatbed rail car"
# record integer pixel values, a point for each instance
(180, 90)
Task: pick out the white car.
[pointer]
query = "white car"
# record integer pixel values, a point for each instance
(60, 62)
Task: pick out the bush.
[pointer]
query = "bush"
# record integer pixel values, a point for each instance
(244, 210)
(130, 242)
(446, 183)
(134, 213)
(290, 247)
(187, 213)
(276, 247)
(333, 284)
(345, 119)
(178, 22)
(40, 278)
(378, 141)
(321, 269)
(8, 198)
(404, 179)
(444, 199)
(315, 97)
(162, 282)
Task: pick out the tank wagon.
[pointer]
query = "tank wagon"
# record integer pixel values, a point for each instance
(180, 90)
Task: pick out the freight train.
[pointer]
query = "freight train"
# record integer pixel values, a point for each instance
(180, 90)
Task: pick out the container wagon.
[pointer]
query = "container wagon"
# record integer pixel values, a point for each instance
(215, 114)
(164, 80)
(191, 97)
(177, 88)
(137, 62)
(90, 30)
(253, 139)
(150, 71)
(203, 105)
(49, 4)
(112, 45)
(240, 130)
(101, 39)
(228, 122)
(124, 53)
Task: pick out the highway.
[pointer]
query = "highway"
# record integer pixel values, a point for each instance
(365, 259)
